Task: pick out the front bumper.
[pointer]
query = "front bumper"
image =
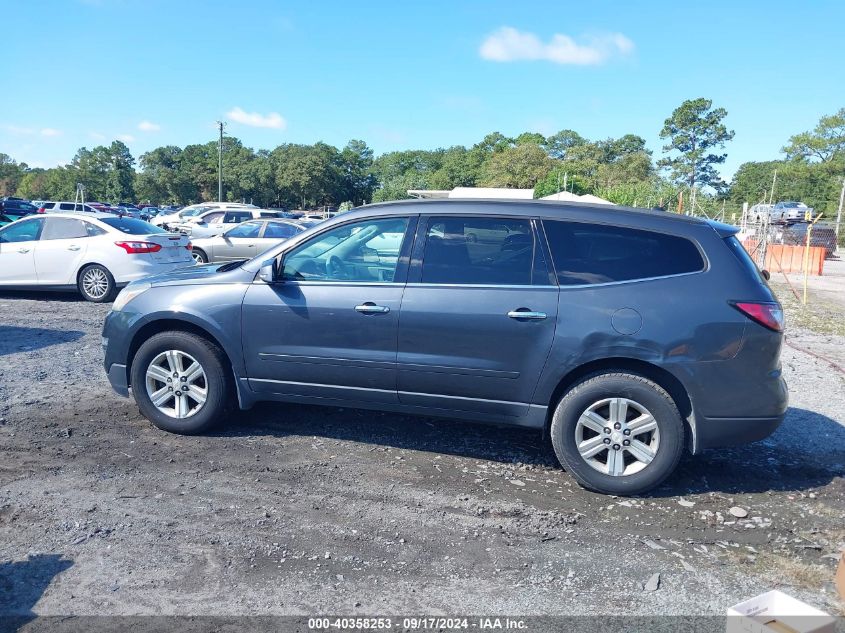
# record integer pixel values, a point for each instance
(117, 377)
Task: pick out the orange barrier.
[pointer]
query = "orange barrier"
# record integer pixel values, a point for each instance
(789, 259)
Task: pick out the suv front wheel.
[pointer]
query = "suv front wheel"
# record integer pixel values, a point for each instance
(618, 433)
(181, 382)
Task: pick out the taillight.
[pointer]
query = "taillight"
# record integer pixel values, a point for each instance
(189, 246)
(134, 248)
(769, 315)
(42, 210)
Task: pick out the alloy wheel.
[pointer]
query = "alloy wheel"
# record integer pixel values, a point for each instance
(617, 436)
(95, 283)
(176, 384)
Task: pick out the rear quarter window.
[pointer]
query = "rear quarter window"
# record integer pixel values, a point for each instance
(594, 254)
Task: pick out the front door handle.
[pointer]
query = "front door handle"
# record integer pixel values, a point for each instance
(23, 250)
(528, 315)
(73, 247)
(371, 308)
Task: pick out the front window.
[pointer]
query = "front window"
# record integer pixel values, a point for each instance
(365, 251)
(27, 231)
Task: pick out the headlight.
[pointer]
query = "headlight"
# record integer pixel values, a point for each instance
(127, 294)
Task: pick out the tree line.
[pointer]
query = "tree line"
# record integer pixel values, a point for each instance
(621, 170)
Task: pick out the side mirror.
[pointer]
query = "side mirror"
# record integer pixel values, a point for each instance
(766, 274)
(270, 272)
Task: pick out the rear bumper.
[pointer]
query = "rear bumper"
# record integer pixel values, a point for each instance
(723, 432)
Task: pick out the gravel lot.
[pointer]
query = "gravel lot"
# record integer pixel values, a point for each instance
(295, 509)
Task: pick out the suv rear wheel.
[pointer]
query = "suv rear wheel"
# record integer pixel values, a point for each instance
(618, 433)
(181, 382)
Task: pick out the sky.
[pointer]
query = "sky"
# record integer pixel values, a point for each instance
(409, 75)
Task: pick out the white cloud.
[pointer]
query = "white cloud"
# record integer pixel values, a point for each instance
(48, 131)
(15, 129)
(509, 44)
(126, 138)
(148, 126)
(254, 119)
(97, 136)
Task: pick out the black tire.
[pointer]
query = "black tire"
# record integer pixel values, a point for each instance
(618, 385)
(91, 291)
(199, 255)
(218, 382)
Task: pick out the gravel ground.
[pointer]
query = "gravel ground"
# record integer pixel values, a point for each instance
(302, 510)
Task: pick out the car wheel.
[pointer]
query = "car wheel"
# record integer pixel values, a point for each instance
(199, 256)
(96, 283)
(618, 433)
(181, 382)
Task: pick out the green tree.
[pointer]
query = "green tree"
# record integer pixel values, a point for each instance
(11, 173)
(694, 129)
(357, 171)
(558, 145)
(825, 143)
(521, 167)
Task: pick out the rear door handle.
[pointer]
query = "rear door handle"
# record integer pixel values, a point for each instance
(23, 250)
(73, 247)
(371, 308)
(528, 315)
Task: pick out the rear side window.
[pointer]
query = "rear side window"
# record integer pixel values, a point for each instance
(66, 206)
(744, 258)
(279, 230)
(595, 254)
(486, 251)
(63, 229)
(93, 230)
(237, 216)
(131, 226)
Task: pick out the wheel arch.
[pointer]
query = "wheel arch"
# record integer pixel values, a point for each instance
(176, 325)
(673, 386)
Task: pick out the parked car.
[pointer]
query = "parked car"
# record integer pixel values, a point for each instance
(93, 252)
(791, 211)
(175, 218)
(16, 208)
(246, 240)
(762, 212)
(821, 235)
(66, 207)
(218, 221)
(623, 336)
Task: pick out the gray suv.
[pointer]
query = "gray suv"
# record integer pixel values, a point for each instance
(624, 335)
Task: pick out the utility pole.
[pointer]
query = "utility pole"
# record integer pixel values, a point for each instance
(839, 213)
(221, 125)
(774, 182)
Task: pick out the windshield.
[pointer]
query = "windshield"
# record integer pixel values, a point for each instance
(131, 226)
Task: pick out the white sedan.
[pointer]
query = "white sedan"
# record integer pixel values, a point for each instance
(93, 252)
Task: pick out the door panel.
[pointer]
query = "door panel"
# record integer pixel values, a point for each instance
(308, 339)
(17, 263)
(60, 250)
(328, 328)
(459, 349)
(478, 316)
(17, 252)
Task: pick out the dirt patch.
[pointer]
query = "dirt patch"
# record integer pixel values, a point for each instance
(294, 509)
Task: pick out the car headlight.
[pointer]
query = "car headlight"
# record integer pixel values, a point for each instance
(128, 293)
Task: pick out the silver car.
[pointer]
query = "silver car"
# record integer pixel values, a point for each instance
(246, 240)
